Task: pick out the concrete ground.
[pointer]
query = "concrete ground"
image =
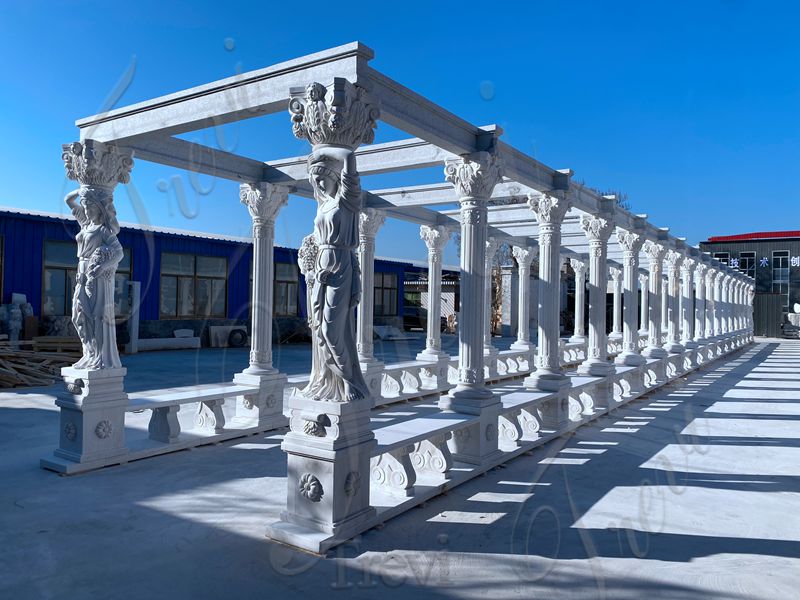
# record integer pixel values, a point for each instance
(691, 492)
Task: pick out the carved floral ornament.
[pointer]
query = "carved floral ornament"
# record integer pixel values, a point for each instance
(263, 200)
(673, 259)
(310, 487)
(655, 252)
(96, 164)
(341, 114)
(549, 207)
(688, 266)
(524, 256)
(615, 274)
(369, 222)
(475, 175)
(435, 238)
(629, 241)
(597, 229)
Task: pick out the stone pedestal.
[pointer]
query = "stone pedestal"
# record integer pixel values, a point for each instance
(329, 447)
(264, 410)
(435, 375)
(92, 420)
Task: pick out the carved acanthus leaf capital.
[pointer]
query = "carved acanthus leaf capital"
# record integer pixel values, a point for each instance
(435, 238)
(687, 266)
(673, 259)
(629, 242)
(578, 266)
(549, 207)
(655, 252)
(263, 200)
(96, 164)
(474, 176)
(369, 222)
(597, 229)
(615, 274)
(342, 114)
(524, 255)
(643, 280)
(699, 272)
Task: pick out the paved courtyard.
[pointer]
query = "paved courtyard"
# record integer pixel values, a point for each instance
(689, 492)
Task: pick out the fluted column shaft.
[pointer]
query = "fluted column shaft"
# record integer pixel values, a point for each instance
(643, 287)
(597, 230)
(263, 201)
(435, 239)
(631, 244)
(549, 209)
(370, 222)
(474, 178)
(700, 304)
(687, 312)
(655, 254)
(491, 249)
(524, 258)
(579, 267)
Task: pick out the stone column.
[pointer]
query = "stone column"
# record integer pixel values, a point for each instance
(579, 267)
(644, 303)
(655, 254)
(524, 258)
(723, 304)
(616, 322)
(710, 328)
(700, 304)
(490, 353)
(265, 410)
(631, 244)
(435, 239)
(597, 230)
(92, 409)
(330, 440)
(369, 223)
(687, 312)
(665, 305)
(474, 178)
(549, 208)
(673, 344)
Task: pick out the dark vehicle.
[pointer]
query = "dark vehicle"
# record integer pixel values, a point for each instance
(416, 317)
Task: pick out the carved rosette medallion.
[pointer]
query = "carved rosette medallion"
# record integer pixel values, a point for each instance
(352, 483)
(310, 487)
(103, 429)
(70, 431)
(342, 114)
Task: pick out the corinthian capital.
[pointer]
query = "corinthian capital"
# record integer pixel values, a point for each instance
(95, 164)
(643, 280)
(341, 114)
(597, 229)
(435, 238)
(369, 222)
(655, 252)
(263, 200)
(549, 207)
(524, 256)
(615, 274)
(629, 242)
(474, 176)
(699, 272)
(688, 266)
(578, 266)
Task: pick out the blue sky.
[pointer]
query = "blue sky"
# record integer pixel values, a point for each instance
(691, 109)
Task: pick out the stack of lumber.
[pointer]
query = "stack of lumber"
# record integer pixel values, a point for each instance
(19, 368)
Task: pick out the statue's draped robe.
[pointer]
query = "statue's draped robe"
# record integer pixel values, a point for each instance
(332, 314)
(93, 300)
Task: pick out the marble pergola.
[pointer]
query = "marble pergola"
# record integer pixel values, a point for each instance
(347, 474)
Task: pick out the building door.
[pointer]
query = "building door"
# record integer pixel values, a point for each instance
(768, 314)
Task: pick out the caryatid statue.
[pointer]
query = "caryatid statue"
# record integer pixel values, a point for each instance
(98, 168)
(336, 120)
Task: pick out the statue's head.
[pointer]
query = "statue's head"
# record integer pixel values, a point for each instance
(98, 205)
(323, 173)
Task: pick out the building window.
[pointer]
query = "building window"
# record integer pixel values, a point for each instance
(60, 271)
(723, 257)
(747, 263)
(193, 286)
(385, 294)
(286, 277)
(780, 275)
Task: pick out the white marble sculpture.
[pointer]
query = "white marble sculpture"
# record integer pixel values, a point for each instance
(99, 250)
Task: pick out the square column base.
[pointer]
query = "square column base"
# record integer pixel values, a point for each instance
(595, 367)
(264, 410)
(435, 376)
(630, 359)
(372, 370)
(490, 354)
(546, 380)
(91, 420)
(329, 447)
